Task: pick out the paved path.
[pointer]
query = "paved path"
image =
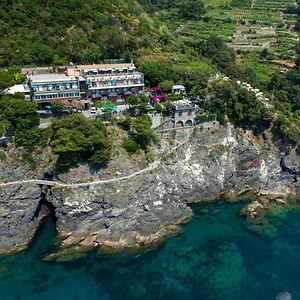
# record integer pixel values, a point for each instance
(151, 167)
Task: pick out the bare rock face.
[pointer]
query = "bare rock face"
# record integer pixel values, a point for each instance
(291, 163)
(118, 216)
(140, 210)
(18, 205)
(16, 167)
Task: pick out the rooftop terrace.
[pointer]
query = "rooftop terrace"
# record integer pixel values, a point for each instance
(182, 104)
(51, 77)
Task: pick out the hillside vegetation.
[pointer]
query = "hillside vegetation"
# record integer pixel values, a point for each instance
(57, 32)
(172, 41)
(44, 32)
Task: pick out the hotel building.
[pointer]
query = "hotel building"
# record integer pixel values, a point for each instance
(109, 81)
(47, 87)
(115, 82)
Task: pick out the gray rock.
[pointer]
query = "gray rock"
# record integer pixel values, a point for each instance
(18, 205)
(291, 163)
(284, 296)
(143, 209)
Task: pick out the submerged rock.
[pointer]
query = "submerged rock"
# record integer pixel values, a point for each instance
(284, 296)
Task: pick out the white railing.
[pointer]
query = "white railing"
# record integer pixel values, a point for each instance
(105, 87)
(113, 77)
(56, 91)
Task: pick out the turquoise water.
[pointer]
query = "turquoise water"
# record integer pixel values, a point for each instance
(215, 257)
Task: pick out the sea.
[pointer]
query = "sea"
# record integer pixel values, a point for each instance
(217, 255)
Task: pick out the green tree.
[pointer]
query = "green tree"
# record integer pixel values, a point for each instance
(134, 100)
(142, 132)
(166, 85)
(28, 138)
(77, 139)
(191, 9)
(17, 75)
(19, 112)
(57, 107)
(131, 146)
(6, 80)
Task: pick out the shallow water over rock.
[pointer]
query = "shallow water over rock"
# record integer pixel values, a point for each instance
(217, 256)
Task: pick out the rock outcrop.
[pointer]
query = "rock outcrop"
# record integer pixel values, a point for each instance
(18, 216)
(141, 210)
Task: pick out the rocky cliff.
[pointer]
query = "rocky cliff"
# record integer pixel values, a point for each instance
(141, 209)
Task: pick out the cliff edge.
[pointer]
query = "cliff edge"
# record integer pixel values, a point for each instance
(141, 209)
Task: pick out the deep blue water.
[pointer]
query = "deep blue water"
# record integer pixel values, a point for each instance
(215, 257)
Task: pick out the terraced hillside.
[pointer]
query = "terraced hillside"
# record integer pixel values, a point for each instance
(251, 26)
(35, 32)
(272, 5)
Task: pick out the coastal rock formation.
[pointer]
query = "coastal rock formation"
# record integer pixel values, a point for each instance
(18, 166)
(139, 210)
(114, 216)
(18, 206)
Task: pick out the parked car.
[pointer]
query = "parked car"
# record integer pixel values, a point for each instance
(93, 110)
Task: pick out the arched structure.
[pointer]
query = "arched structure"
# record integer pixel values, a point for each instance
(179, 124)
(189, 123)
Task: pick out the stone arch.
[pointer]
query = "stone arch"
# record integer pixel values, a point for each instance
(179, 124)
(189, 123)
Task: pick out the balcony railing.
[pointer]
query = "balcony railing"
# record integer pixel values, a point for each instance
(113, 77)
(57, 98)
(103, 87)
(48, 91)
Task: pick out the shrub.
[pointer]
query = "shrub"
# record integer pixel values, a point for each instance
(131, 146)
(2, 155)
(28, 138)
(77, 139)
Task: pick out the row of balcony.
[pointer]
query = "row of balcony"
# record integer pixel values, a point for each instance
(113, 76)
(114, 85)
(51, 90)
(93, 87)
(56, 96)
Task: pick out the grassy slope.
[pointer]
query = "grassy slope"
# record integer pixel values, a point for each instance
(216, 3)
(263, 70)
